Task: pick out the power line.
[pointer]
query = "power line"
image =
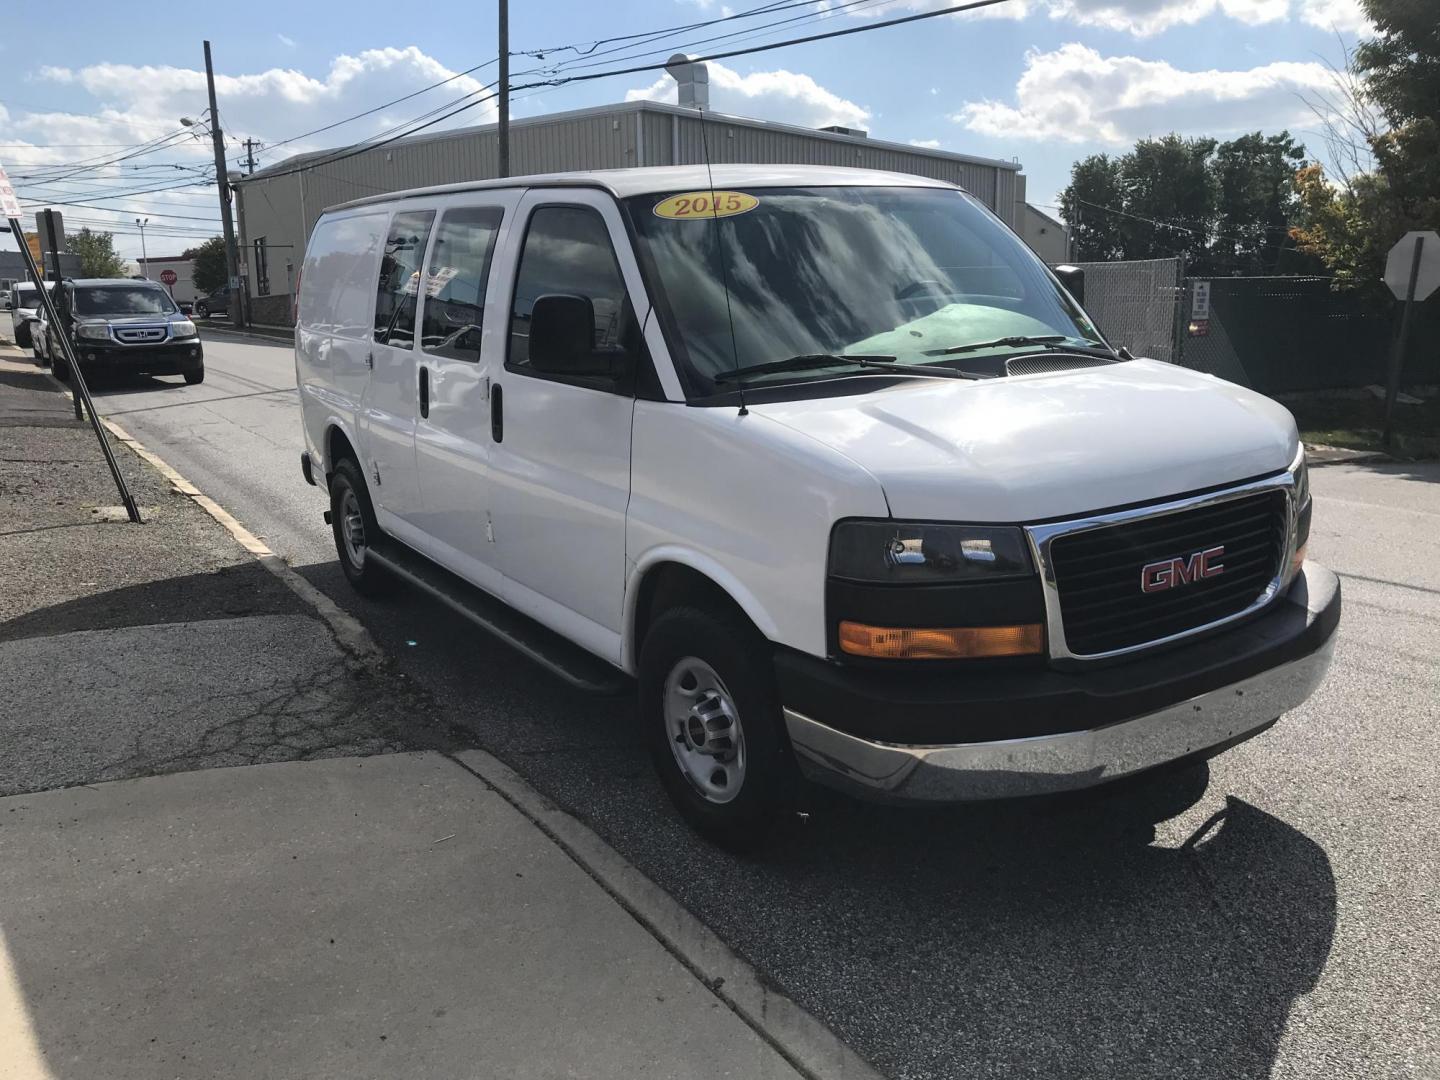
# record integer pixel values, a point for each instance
(360, 148)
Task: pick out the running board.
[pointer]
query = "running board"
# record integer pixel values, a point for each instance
(582, 670)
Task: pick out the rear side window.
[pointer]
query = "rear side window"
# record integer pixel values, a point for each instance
(567, 250)
(455, 282)
(338, 277)
(399, 286)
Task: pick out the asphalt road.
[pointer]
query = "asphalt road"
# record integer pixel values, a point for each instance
(1277, 914)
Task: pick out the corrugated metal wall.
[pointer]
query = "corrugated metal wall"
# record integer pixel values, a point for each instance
(284, 209)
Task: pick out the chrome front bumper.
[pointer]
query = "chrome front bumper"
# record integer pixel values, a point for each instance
(1054, 763)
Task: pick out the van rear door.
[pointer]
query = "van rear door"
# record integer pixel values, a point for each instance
(463, 327)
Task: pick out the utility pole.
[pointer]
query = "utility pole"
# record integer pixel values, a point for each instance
(144, 255)
(227, 225)
(250, 147)
(504, 87)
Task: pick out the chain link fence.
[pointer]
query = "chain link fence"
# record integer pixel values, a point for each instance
(1137, 303)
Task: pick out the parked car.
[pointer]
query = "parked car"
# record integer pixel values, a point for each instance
(24, 310)
(826, 461)
(120, 327)
(212, 304)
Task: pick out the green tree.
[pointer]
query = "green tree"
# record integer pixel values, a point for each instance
(1227, 207)
(97, 254)
(209, 262)
(1255, 202)
(1170, 197)
(1382, 118)
(1095, 230)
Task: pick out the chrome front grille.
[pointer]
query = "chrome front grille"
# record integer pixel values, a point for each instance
(1126, 580)
(140, 335)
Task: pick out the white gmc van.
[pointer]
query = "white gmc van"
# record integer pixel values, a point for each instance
(826, 461)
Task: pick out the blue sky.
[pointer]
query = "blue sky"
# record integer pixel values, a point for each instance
(1041, 81)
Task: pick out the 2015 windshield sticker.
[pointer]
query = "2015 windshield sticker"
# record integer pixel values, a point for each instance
(705, 204)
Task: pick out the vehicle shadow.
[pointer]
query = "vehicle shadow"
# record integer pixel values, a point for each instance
(1063, 937)
(1056, 937)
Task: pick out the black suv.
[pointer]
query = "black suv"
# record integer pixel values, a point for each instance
(125, 327)
(217, 303)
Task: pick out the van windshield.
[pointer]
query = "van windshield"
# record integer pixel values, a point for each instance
(122, 300)
(866, 271)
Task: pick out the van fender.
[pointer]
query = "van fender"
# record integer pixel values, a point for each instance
(336, 422)
(701, 563)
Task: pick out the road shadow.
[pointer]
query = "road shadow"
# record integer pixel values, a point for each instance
(227, 593)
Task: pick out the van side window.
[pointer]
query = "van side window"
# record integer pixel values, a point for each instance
(399, 287)
(567, 250)
(455, 282)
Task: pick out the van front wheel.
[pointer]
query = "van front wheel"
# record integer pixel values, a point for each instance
(352, 519)
(712, 721)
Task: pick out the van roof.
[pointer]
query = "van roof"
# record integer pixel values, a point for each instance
(622, 183)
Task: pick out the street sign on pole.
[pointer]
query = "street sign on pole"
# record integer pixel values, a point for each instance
(1397, 264)
(9, 202)
(1412, 270)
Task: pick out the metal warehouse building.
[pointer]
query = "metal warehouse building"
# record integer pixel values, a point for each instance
(276, 212)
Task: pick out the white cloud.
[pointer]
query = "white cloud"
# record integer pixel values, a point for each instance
(288, 42)
(133, 104)
(1074, 94)
(784, 96)
(1344, 16)
(1144, 18)
(926, 144)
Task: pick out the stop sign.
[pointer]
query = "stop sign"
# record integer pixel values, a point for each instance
(1402, 259)
(168, 277)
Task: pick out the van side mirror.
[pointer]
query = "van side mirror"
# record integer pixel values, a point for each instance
(1073, 278)
(562, 337)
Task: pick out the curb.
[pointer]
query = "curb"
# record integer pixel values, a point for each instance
(798, 1036)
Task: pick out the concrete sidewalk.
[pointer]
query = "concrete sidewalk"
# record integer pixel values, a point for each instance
(379, 917)
(416, 912)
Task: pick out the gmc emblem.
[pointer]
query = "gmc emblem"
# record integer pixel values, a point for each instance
(1167, 573)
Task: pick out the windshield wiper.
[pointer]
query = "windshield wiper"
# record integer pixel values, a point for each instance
(807, 360)
(1049, 342)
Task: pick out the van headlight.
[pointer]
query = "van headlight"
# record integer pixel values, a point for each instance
(182, 328)
(899, 553)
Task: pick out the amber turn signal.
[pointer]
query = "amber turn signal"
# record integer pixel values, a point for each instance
(1298, 559)
(952, 643)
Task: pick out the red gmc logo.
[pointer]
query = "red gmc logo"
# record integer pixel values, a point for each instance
(1166, 574)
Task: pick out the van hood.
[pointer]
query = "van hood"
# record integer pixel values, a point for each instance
(1029, 448)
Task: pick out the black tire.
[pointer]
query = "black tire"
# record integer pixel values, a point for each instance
(364, 575)
(726, 643)
(60, 368)
(194, 376)
(201, 311)
(23, 338)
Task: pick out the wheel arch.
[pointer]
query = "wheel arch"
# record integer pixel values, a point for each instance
(339, 443)
(670, 576)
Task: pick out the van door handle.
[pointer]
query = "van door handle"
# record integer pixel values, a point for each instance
(370, 360)
(424, 390)
(497, 413)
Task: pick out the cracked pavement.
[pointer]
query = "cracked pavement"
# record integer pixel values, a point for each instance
(128, 650)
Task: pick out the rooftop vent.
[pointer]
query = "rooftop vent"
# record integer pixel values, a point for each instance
(854, 133)
(693, 80)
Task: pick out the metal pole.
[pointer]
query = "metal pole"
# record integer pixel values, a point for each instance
(144, 255)
(1397, 361)
(227, 225)
(46, 222)
(77, 378)
(504, 162)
